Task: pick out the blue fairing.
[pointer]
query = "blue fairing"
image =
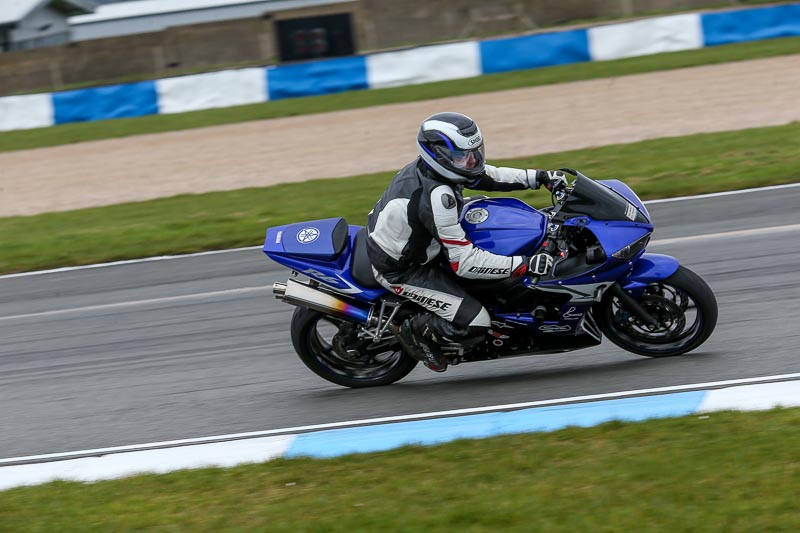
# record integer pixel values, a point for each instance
(648, 269)
(311, 240)
(614, 236)
(316, 261)
(506, 226)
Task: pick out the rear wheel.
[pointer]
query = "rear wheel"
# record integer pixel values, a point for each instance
(684, 307)
(331, 349)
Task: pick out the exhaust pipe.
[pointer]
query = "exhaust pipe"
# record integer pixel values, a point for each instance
(296, 293)
(279, 290)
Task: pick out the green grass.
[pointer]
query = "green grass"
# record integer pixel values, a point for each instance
(655, 169)
(79, 132)
(732, 472)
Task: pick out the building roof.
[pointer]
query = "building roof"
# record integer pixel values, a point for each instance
(143, 8)
(13, 12)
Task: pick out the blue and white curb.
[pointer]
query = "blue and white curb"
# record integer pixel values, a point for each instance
(372, 436)
(425, 64)
(333, 443)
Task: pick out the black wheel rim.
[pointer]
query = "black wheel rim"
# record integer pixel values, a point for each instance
(372, 361)
(680, 320)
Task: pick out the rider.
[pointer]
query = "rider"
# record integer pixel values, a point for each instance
(417, 218)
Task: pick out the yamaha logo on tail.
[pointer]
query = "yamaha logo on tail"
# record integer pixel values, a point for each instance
(307, 235)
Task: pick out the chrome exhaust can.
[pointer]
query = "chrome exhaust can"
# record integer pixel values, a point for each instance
(279, 290)
(296, 293)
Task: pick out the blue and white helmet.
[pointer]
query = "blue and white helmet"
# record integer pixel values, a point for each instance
(451, 144)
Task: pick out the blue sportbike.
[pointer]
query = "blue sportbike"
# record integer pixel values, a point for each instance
(603, 283)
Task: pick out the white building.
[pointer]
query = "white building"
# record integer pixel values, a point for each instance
(35, 23)
(143, 16)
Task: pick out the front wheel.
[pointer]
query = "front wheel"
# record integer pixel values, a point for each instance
(331, 349)
(684, 307)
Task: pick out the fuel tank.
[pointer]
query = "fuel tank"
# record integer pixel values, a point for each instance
(504, 226)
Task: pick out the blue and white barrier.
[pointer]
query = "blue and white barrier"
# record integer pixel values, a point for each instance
(755, 24)
(101, 103)
(405, 67)
(353, 437)
(424, 65)
(207, 91)
(318, 77)
(534, 51)
(26, 112)
(648, 36)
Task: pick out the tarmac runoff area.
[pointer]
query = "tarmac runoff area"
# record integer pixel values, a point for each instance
(516, 123)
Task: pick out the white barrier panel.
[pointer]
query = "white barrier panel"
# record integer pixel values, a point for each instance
(216, 89)
(650, 36)
(26, 112)
(423, 65)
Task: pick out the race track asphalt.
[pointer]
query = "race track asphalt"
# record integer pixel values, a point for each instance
(197, 346)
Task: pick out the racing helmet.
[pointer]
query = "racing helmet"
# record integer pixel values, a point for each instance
(451, 145)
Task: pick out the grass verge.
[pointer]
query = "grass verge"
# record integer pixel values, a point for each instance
(655, 169)
(88, 131)
(722, 472)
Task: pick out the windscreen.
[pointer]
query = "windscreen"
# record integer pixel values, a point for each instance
(599, 202)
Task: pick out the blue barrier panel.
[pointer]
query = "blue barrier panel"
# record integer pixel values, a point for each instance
(318, 77)
(114, 101)
(534, 51)
(751, 24)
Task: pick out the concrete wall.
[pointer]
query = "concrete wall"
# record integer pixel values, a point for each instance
(378, 24)
(176, 50)
(392, 23)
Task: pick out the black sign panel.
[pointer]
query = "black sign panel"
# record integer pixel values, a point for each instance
(315, 37)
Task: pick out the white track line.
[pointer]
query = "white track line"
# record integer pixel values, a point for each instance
(233, 250)
(727, 234)
(399, 418)
(129, 262)
(725, 193)
(152, 301)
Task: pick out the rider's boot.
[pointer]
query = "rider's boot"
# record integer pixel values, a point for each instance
(419, 339)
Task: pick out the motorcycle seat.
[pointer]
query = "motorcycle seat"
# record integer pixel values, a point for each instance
(319, 240)
(360, 265)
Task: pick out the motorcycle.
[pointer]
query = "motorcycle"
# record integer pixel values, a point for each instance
(603, 283)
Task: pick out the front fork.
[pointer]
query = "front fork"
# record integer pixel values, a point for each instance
(649, 268)
(628, 302)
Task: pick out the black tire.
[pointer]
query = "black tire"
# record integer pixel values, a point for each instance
(682, 297)
(315, 351)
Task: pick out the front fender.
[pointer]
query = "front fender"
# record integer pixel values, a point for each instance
(648, 269)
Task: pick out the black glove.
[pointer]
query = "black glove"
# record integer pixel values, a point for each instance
(552, 180)
(540, 264)
(537, 265)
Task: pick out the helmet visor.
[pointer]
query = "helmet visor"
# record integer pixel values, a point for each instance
(468, 160)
